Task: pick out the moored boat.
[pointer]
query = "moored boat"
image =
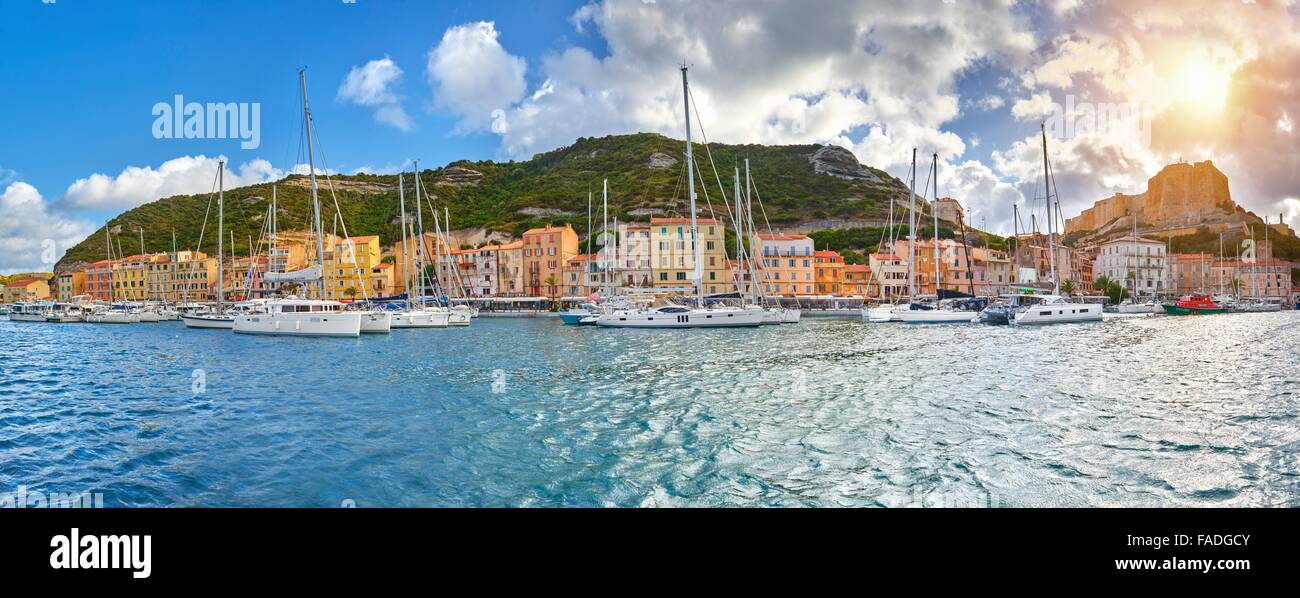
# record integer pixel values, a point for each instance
(24, 311)
(1191, 305)
(1057, 310)
(679, 316)
(300, 317)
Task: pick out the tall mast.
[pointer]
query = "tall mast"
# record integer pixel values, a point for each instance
(740, 263)
(311, 170)
(604, 234)
(1134, 247)
(406, 245)
(419, 239)
(453, 263)
(934, 211)
(221, 222)
(1047, 189)
(108, 247)
(755, 289)
(697, 275)
(275, 229)
(911, 234)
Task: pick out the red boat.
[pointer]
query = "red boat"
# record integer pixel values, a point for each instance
(1193, 305)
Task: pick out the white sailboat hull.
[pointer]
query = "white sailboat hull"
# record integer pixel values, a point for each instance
(772, 317)
(209, 321)
(695, 318)
(791, 315)
(459, 317)
(65, 319)
(420, 318)
(879, 314)
(376, 322)
(149, 316)
(1058, 313)
(300, 324)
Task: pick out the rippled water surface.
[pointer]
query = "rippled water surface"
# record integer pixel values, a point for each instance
(1198, 411)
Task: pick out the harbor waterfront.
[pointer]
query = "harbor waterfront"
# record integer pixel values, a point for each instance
(1132, 411)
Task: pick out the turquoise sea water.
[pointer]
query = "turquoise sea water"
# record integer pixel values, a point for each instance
(1197, 411)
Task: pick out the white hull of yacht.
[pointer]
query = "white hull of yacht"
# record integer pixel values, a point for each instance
(65, 319)
(209, 321)
(300, 324)
(936, 316)
(420, 318)
(693, 318)
(1137, 308)
(772, 317)
(791, 315)
(149, 317)
(376, 322)
(26, 317)
(113, 317)
(1058, 313)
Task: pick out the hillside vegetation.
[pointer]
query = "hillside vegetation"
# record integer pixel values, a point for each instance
(646, 175)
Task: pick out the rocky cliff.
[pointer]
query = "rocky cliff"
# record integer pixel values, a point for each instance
(1179, 196)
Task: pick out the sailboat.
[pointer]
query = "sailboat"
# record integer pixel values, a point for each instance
(678, 316)
(1054, 308)
(943, 311)
(217, 319)
(892, 312)
(115, 313)
(416, 314)
(772, 314)
(295, 316)
(587, 313)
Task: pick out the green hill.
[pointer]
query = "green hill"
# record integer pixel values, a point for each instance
(646, 175)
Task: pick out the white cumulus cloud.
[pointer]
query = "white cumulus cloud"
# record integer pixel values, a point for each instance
(372, 85)
(473, 76)
(137, 185)
(32, 236)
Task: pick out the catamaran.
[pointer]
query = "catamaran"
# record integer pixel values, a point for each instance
(1054, 308)
(295, 316)
(678, 316)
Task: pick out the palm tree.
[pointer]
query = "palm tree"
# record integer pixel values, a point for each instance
(1101, 284)
(351, 292)
(1067, 286)
(550, 283)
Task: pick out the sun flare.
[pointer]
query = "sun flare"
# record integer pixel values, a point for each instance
(1197, 81)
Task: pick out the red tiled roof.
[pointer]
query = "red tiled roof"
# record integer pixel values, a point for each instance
(547, 229)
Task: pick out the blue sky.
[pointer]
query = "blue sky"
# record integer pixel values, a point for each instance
(392, 80)
(89, 72)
